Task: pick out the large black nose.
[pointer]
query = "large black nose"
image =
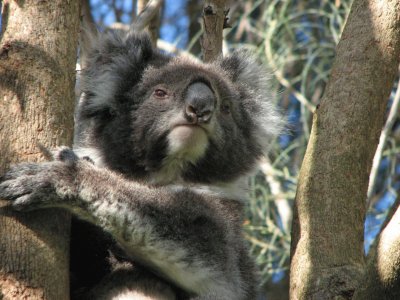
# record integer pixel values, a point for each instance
(199, 103)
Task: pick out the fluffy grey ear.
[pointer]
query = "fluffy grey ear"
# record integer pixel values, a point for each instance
(244, 68)
(114, 62)
(252, 78)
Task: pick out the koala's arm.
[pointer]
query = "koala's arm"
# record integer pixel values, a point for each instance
(191, 239)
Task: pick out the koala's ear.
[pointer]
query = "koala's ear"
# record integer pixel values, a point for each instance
(114, 63)
(118, 47)
(253, 78)
(100, 47)
(245, 69)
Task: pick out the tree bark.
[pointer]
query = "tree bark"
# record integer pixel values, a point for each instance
(381, 281)
(213, 25)
(327, 239)
(37, 77)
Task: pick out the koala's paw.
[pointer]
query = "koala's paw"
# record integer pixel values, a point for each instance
(66, 155)
(39, 185)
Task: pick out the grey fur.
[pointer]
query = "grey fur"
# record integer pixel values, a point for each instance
(160, 180)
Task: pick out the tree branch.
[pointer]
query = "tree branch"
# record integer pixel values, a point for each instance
(214, 21)
(87, 32)
(149, 16)
(327, 242)
(382, 277)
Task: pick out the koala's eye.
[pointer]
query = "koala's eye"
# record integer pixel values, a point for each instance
(225, 108)
(160, 93)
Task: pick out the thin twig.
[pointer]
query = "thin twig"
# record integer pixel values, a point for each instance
(394, 111)
(146, 15)
(282, 204)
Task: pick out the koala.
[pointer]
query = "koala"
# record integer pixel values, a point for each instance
(157, 177)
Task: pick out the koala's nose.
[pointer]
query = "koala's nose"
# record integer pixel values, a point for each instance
(199, 103)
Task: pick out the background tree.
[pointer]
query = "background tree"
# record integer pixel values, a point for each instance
(330, 206)
(37, 77)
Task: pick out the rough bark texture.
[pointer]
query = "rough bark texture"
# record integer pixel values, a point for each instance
(381, 281)
(327, 239)
(37, 72)
(213, 24)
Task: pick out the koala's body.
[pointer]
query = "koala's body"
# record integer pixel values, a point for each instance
(171, 142)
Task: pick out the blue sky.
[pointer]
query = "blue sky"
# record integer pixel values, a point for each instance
(174, 30)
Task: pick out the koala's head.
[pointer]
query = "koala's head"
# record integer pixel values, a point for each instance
(163, 119)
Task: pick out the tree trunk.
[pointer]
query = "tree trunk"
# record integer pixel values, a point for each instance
(213, 24)
(327, 240)
(37, 76)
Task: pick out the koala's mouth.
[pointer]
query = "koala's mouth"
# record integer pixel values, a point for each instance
(187, 142)
(188, 135)
(191, 127)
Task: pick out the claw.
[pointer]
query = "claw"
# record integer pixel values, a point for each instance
(12, 189)
(33, 185)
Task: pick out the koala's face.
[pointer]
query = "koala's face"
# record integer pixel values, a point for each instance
(174, 119)
(191, 114)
